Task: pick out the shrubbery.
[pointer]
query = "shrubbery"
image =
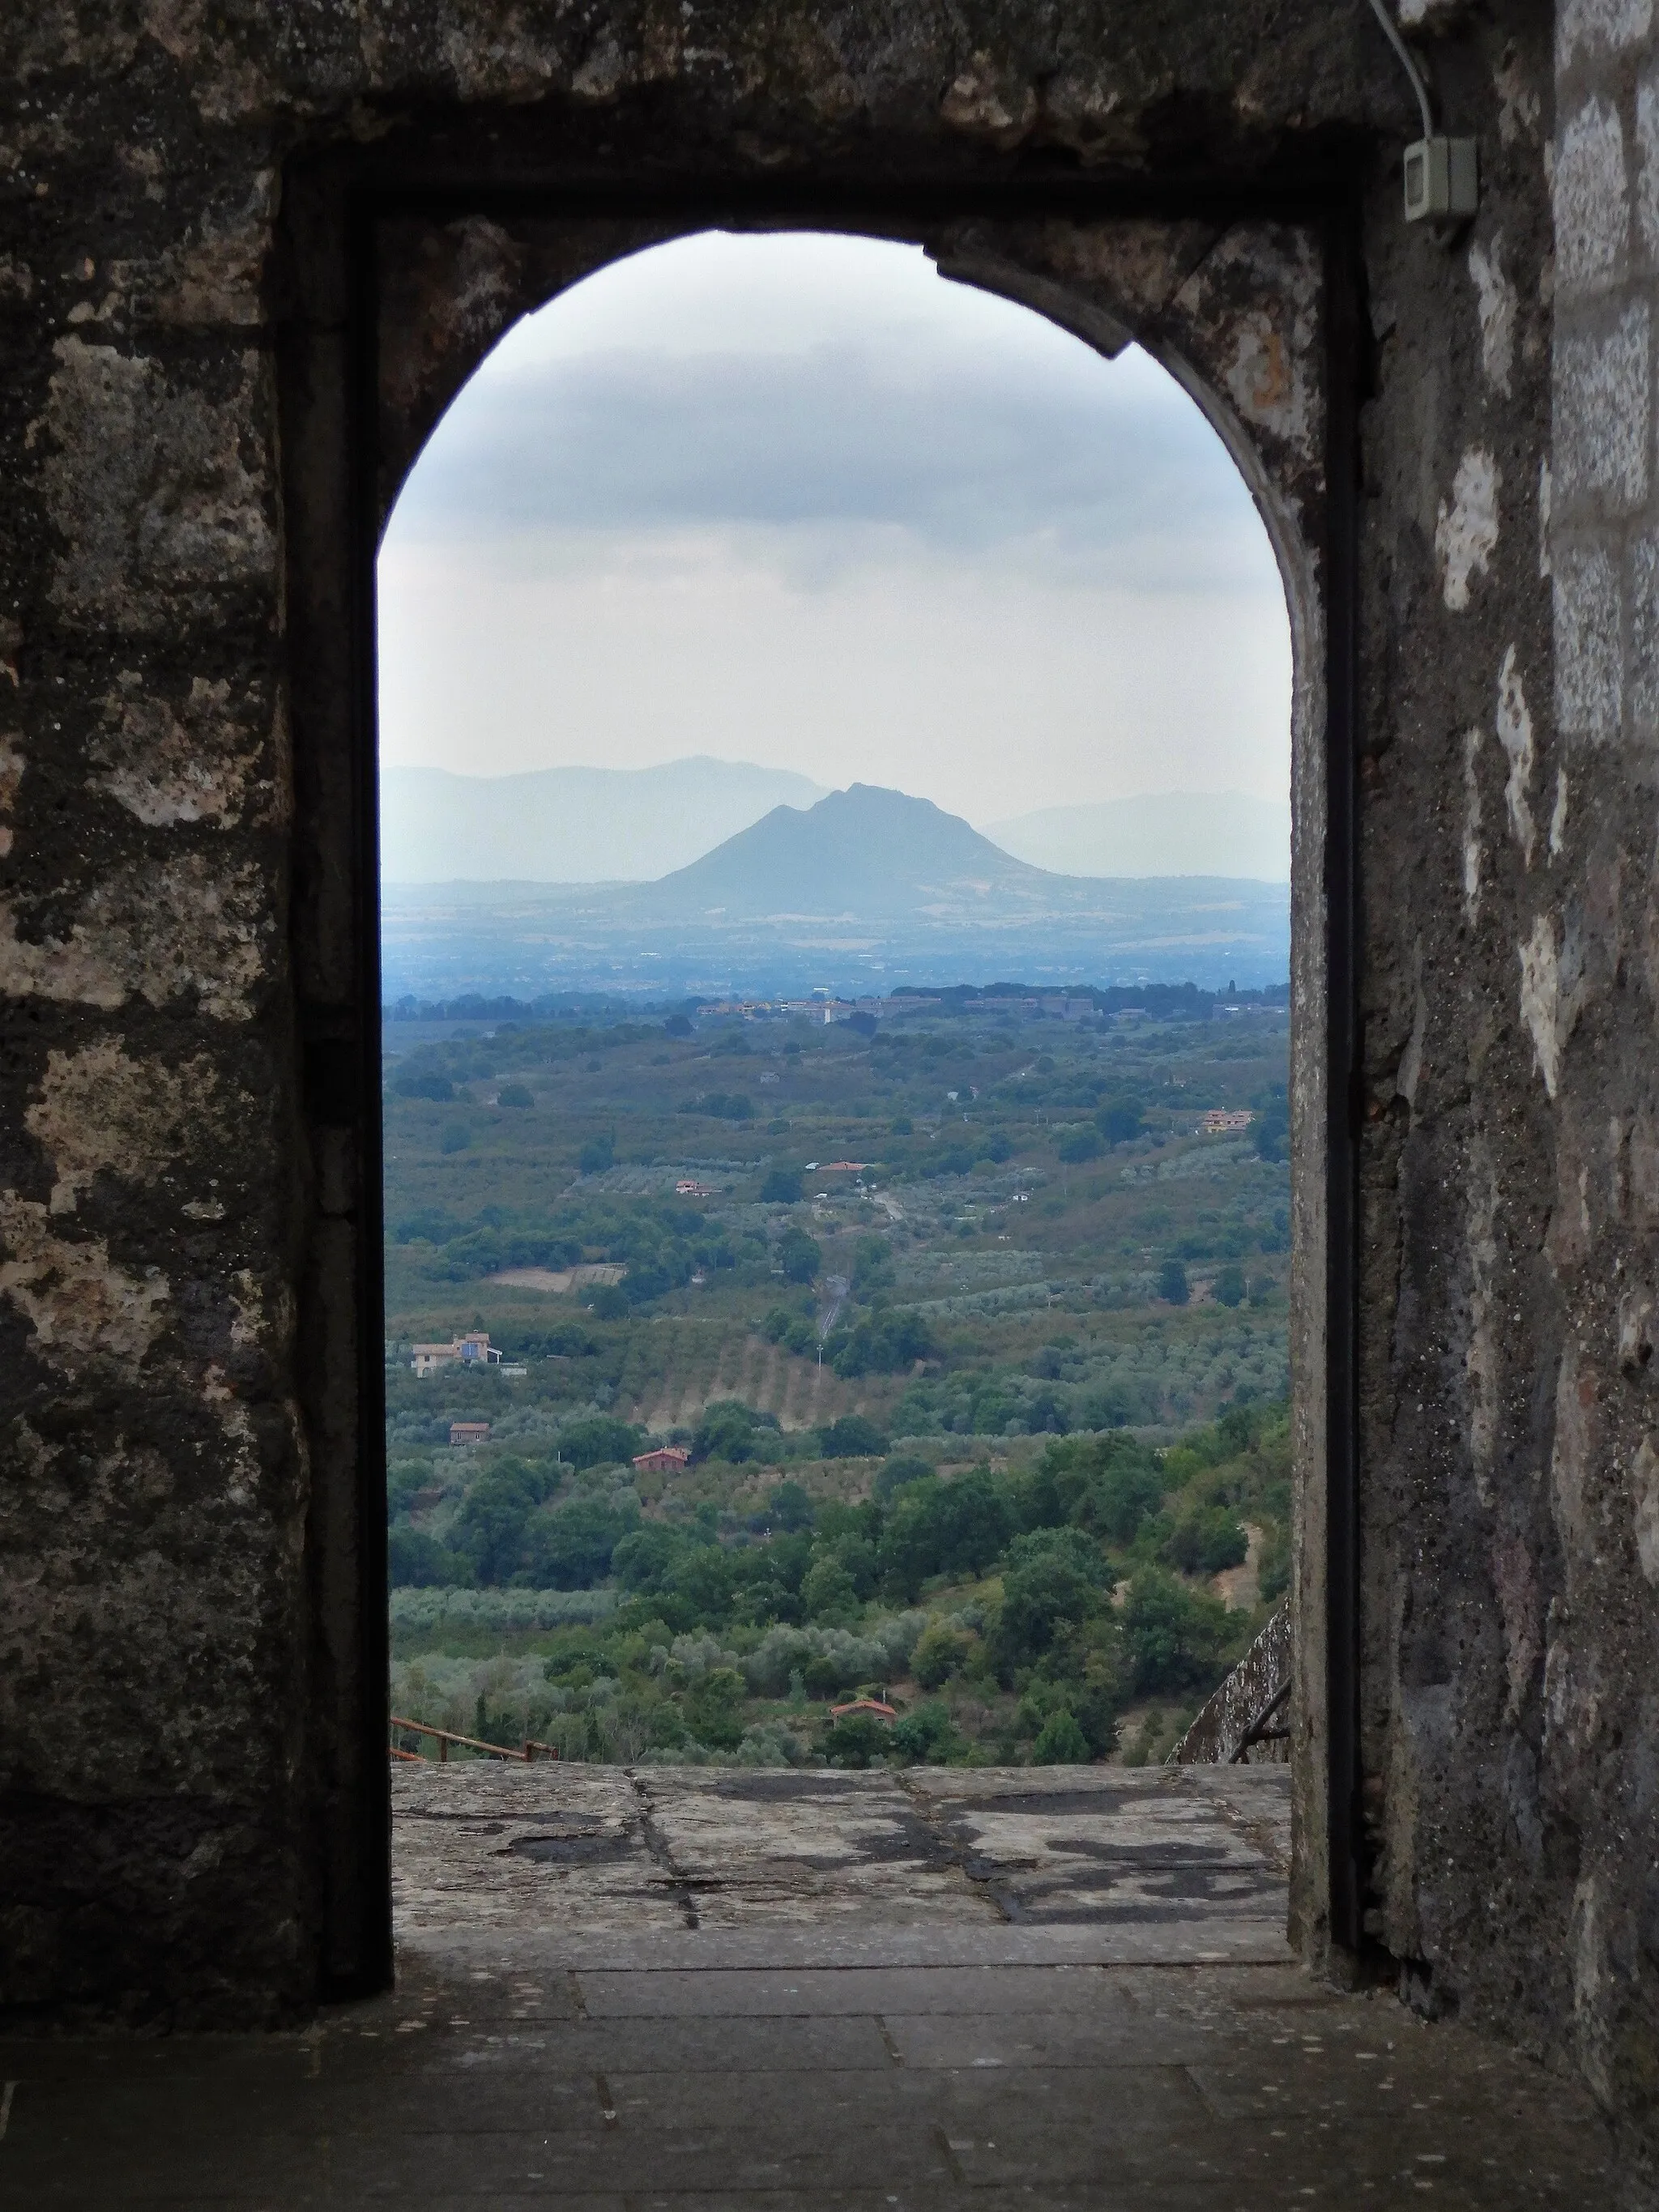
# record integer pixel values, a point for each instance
(599, 1440)
(851, 1436)
(884, 1343)
(818, 1602)
(800, 1255)
(731, 1430)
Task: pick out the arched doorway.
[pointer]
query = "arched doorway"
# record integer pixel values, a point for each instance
(1263, 391)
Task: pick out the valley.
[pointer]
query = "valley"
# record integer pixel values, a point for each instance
(960, 1324)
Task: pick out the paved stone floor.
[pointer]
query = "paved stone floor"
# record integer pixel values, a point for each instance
(697, 1988)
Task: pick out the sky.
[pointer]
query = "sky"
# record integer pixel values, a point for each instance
(798, 500)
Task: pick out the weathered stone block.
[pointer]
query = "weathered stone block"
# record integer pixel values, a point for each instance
(161, 501)
(1592, 201)
(1599, 27)
(1603, 430)
(1588, 644)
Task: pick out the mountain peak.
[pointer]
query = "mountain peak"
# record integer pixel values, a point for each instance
(865, 850)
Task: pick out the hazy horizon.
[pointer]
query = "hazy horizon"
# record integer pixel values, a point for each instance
(657, 820)
(797, 501)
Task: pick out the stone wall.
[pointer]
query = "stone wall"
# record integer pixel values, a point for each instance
(191, 1800)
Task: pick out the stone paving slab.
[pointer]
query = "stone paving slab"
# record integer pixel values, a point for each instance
(586, 1850)
(577, 2033)
(365, 2113)
(850, 1945)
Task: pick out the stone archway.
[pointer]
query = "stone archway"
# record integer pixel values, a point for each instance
(1237, 310)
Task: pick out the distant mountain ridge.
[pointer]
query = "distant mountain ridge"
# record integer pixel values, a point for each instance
(1161, 833)
(862, 852)
(865, 889)
(572, 825)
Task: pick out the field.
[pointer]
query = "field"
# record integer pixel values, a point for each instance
(954, 1257)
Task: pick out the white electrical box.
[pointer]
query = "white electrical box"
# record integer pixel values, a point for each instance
(1442, 177)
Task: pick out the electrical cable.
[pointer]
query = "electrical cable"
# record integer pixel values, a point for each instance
(1391, 33)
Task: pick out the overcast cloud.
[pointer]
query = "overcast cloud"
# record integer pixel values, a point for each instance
(798, 500)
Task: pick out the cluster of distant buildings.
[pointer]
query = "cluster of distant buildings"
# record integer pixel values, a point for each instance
(822, 1007)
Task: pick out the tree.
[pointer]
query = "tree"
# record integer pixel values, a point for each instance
(1119, 1498)
(790, 1506)
(826, 1672)
(1206, 1541)
(893, 1475)
(828, 1593)
(1113, 1405)
(515, 1094)
(713, 1706)
(417, 1561)
(1271, 1132)
(883, 1343)
(872, 1265)
(781, 1187)
(642, 1561)
(851, 1436)
(425, 1082)
(570, 1548)
(1053, 1580)
(727, 1430)
(1176, 1638)
(597, 1155)
(1172, 1284)
(599, 1440)
(455, 1139)
(940, 1652)
(1228, 1289)
(1120, 1120)
(926, 1735)
(705, 1579)
(1060, 1742)
(856, 1740)
(1076, 1146)
(677, 1025)
(800, 1255)
(946, 1528)
(490, 1528)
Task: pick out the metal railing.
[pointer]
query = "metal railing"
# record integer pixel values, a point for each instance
(532, 1752)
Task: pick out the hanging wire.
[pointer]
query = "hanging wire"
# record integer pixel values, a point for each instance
(1390, 32)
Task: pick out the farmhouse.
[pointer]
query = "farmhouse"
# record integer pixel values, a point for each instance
(667, 1459)
(473, 1349)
